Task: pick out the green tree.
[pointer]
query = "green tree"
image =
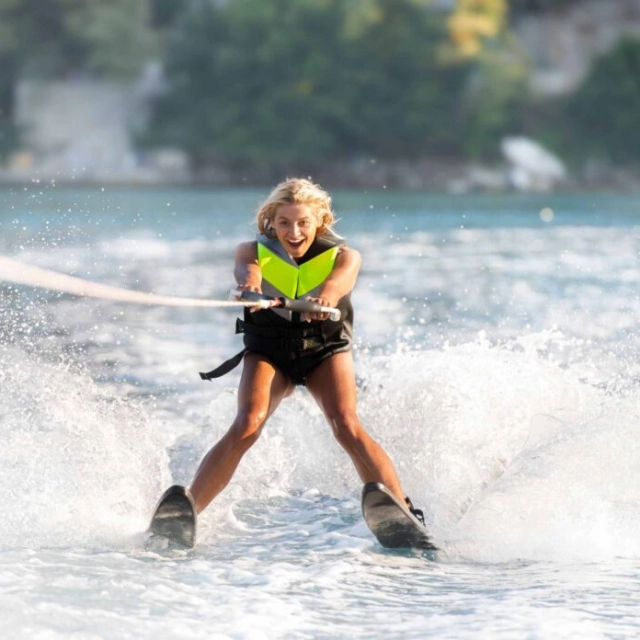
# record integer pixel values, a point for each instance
(494, 97)
(303, 81)
(250, 81)
(602, 115)
(404, 102)
(57, 37)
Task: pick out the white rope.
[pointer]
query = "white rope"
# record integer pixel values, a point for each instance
(19, 273)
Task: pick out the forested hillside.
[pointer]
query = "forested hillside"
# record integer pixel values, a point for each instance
(260, 87)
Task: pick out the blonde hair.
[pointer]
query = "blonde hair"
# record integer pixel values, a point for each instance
(296, 191)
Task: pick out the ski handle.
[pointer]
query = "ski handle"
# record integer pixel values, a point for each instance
(300, 306)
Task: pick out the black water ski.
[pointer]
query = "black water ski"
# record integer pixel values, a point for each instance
(391, 522)
(174, 518)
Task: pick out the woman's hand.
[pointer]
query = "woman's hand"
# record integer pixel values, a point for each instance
(309, 317)
(247, 287)
(339, 283)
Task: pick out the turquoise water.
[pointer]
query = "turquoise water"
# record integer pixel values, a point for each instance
(497, 351)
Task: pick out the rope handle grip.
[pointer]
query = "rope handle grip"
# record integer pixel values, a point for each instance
(263, 301)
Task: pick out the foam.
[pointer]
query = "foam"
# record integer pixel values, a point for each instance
(80, 467)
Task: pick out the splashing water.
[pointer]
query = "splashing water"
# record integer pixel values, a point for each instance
(496, 363)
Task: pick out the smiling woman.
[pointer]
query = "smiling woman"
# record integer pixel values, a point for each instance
(296, 192)
(296, 254)
(295, 226)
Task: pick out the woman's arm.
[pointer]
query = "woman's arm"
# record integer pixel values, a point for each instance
(339, 283)
(247, 271)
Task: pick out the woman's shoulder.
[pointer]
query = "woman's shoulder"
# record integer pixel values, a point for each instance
(247, 249)
(348, 252)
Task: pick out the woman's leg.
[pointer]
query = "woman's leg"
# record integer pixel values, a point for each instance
(261, 389)
(332, 384)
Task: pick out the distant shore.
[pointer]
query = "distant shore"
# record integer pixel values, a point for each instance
(452, 176)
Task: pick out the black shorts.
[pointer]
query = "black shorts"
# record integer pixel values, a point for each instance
(296, 351)
(297, 366)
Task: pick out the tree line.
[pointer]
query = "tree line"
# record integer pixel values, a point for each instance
(308, 82)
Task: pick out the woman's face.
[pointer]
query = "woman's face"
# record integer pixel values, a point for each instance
(295, 226)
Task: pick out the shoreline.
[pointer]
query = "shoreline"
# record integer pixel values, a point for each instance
(433, 176)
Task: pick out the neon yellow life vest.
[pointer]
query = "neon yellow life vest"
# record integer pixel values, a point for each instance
(290, 279)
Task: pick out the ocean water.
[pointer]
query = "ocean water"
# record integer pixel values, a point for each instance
(497, 359)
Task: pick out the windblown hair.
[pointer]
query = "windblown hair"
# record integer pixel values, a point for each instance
(296, 191)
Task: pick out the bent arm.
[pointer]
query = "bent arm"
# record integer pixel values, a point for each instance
(342, 279)
(247, 271)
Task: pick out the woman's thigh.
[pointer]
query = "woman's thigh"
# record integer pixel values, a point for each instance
(262, 386)
(333, 385)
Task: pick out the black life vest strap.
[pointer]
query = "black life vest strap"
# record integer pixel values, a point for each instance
(224, 368)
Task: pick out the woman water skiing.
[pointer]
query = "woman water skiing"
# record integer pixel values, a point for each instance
(295, 255)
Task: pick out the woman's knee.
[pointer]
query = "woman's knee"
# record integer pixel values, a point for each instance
(347, 427)
(247, 427)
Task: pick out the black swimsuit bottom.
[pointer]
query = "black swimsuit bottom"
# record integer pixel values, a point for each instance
(295, 350)
(296, 356)
(299, 367)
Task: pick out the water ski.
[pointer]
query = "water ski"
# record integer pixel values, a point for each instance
(174, 518)
(391, 522)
